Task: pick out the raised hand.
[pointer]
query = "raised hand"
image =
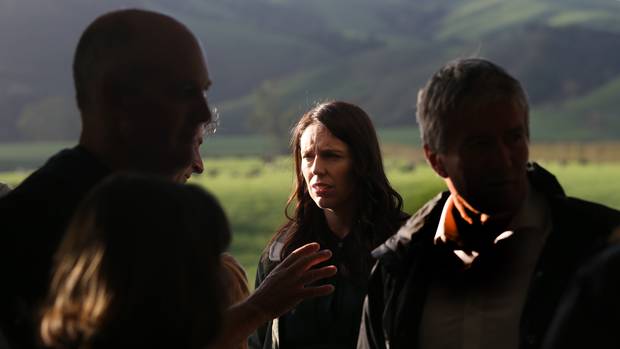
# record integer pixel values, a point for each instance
(288, 283)
(282, 289)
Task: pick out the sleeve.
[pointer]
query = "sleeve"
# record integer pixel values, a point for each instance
(371, 328)
(258, 339)
(237, 288)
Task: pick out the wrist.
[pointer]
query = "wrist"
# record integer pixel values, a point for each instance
(254, 311)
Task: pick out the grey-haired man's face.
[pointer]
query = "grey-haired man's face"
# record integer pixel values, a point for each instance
(486, 157)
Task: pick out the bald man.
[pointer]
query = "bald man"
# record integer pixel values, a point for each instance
(141, 82)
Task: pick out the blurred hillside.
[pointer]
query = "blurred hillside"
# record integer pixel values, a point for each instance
(272, 59)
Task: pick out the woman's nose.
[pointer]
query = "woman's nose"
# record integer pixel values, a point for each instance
(318, 166)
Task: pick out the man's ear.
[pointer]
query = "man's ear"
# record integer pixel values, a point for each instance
(111, 96)
(435, 160)
(118, 94)
(115, 105)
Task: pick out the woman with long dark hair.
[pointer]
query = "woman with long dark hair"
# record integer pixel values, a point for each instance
(343, 200)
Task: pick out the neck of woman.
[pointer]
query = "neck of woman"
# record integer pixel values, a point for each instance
(339, 222)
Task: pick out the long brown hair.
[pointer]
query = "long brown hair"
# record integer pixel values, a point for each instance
(139, 266)
(378, 210)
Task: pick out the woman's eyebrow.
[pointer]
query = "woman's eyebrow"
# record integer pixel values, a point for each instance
(331, 151)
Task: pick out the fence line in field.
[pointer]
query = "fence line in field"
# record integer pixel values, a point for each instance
(562, 152)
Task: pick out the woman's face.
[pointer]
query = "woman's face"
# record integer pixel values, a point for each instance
(326, 165)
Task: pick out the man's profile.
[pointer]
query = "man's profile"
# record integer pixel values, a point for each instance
(140, 81)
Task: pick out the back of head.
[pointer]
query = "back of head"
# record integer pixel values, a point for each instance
(115, 46)
(139, 266)
(140, 80)
(461, 86)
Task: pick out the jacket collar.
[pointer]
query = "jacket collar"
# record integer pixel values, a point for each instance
(424, 222)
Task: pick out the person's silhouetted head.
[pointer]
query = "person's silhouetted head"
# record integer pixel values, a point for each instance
(474, 119)
(140, 80)
(460, 86)
(139, 266)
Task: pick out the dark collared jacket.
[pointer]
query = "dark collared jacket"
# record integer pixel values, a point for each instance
(589, 313)
(399, 281)
(328, 322)
(34, 217)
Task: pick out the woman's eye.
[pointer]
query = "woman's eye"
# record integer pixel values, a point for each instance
(332, 155)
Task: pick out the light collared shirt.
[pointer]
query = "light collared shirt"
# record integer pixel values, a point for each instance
(480, 307)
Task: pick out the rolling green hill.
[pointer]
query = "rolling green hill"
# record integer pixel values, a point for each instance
(272, 59)
(590, 117)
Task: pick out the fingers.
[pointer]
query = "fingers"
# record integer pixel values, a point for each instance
(317, 291)
(313, 246)
(305, 257)
(306, 262)
(296, 271)
(313, 275)
(290, 282)
(301, 252)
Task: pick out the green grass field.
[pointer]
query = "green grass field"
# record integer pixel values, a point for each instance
(254, 194)
(254, 191)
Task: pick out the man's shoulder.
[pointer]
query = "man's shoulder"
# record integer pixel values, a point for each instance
(584, 212)
(74, 163)
(544, 181)
(588, 206)
(570, 209)
(60, 182)
(47, 177)
(418, 229)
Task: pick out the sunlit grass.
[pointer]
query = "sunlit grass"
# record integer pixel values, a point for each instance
(254, 190)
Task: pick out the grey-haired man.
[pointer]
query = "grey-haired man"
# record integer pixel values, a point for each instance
(483, 264)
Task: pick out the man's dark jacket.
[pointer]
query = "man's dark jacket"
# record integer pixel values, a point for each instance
(589, 313)
(399, 281)
(33, 219)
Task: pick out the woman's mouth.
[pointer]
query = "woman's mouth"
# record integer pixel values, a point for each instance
(321, 189)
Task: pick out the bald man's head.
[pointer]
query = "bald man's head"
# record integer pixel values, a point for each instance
(140, 77)
(114, 44)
